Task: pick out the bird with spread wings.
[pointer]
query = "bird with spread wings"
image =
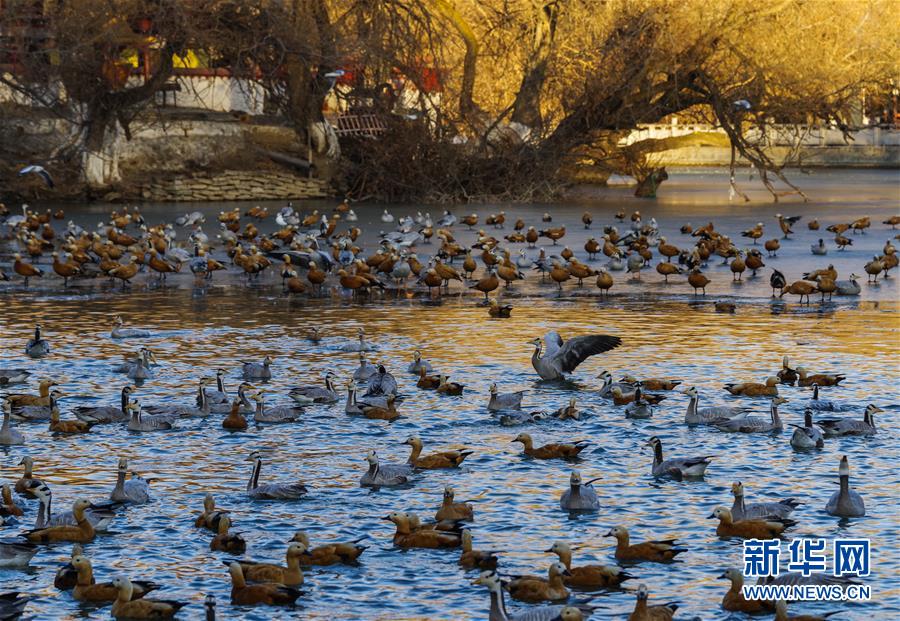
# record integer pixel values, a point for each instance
(561, 357)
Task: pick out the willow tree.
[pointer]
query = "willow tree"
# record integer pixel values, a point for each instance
(545, 92)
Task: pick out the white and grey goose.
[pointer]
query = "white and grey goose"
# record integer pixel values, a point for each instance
(543, 612)
(107, 413)
(219, 395)
(37, 346)
(415, 367)
(358, 345)
(316, 394)
(384, 475)
(707, 416)
(845, 502)
(144, 422)
(638, 408)
(676, 467)
(759, 510)
(135, 491)
(823, 405)
(807, 436)
(365, 370)
(246, 406)
(353, 406)
(37, 413)
(16, 554)
(257, 370)
(276, 413)
(13, 376)
(174, 410)
(561, 357)
(755, 424)
(144, 357)
(579, 496)
(119, 330)
(608, 384)
(504, 400)
(848, 287)
(8, 435)
(836, 427)
(271, 491)
(381, 383)
(99, 517)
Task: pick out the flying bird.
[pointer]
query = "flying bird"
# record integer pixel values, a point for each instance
(40, 171)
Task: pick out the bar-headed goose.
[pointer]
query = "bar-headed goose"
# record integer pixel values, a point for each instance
(381, 383)
(13, 376)
(415, 367)
(365, 370)
(257, 370)
(563, 357)
(37, 346)
(119, 330)
(504, 400)
(676, 467)
(142, 422)
(219, 394)
(845, 502)
(8, 435)
(836, 427)
(755, 424)
(579, 496)
(758, 510)
(174, 410)
(316, 394)
(807, 436)
(135, 490)
(16, 553)
(144, 357)
(271, 491)
(360, 344)
(384, 475)
(38, 413)
(107, 413)
(274, 414)
(823, 405)
(707, 416)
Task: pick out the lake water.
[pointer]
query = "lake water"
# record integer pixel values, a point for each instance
(666, 332)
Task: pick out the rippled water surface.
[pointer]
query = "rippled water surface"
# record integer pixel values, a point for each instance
(197, 330)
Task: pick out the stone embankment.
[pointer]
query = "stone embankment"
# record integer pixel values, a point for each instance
(232, 185)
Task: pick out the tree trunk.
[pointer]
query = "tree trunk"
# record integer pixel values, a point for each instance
(527, 106)
(467, 106)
